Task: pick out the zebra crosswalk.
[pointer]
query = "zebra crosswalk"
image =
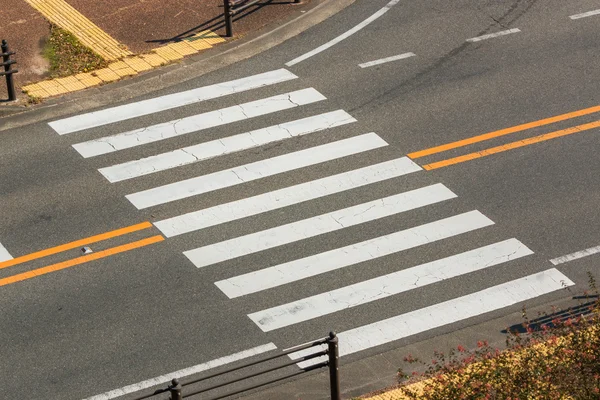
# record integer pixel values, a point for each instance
(360, 252)
(403, 194)
(228, 145)
(421, 320)
(256, 170)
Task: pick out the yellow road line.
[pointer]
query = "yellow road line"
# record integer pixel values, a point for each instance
(64, 15)
(502, 132)
(75, 244)
(80, 260)
(513, 145)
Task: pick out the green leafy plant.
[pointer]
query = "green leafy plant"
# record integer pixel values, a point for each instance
(559, 359)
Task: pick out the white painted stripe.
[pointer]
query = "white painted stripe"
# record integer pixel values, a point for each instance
(343, 36)
(256, 170)
(576, 255)
(493, 35)
(353, 254)
(389, 285)
(228, 145)
(197, 123)
(329, 222)
(585, 14)
(285, 197)
(162, 103)
(4, 254)
(448, 312)
(386, 60)
(159, 380)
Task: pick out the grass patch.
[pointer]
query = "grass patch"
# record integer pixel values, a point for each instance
(68, 56)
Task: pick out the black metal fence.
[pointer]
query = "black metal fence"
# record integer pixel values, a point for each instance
(233, 7)
(8, 71)
(177, 389)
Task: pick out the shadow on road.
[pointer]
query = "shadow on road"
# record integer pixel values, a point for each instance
(561, 315)
(217, 23)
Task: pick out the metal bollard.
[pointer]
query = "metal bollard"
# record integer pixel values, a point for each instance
(8, 72)
(175, 390)
(334, 373)
(228, 18)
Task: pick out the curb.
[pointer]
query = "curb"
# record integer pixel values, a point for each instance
(188, 69)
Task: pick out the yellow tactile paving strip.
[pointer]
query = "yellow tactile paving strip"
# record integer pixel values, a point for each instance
(62, 14)
(125, 66)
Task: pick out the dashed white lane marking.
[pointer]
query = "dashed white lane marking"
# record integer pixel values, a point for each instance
(228, 145)
(493, 35)
(388, 285)
(344, 35)
(256, 170)
(576, 255)
(198, 122)
(170, 101)
(585, 14)
(437, 315)
(331, 260)
(386, 60)
(321, 224)
(159, 380)
(277, 199)
(4, 254)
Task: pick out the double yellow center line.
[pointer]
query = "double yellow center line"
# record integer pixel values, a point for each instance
(508, 146)
(79, 260)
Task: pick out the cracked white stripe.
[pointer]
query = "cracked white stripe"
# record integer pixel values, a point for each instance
(585, 14)
(256, 170)
(167, 102)
(328, 261)
(397, 282)
(4, 254)
(285, 197)
(307, 228)
(198, 122)
(386, 60)
(441, 314)
(576, 255)
(182, 373)
(494, 35)
(228, 145)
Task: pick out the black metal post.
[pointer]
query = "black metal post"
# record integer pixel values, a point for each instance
(10, 85)
(175, 390)
(228, 18)
(334, 373)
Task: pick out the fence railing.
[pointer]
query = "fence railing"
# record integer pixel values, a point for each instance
(8, 71)
(177, 392)
(233, 7)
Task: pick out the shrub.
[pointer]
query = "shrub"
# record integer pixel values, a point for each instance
(555, 360)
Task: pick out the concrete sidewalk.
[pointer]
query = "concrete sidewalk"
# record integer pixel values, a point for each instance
(133, 36)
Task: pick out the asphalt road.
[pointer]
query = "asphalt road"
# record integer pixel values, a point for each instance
(127, 317)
